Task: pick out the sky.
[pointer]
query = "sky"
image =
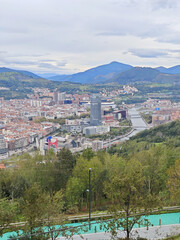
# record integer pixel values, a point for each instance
(69, 36)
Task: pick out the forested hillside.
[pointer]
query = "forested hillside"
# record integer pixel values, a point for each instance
(160, 133)
(17, 79)
(145, 74)
(19, 84)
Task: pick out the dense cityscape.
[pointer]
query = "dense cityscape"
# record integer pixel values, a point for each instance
(26, 123)
(19, 117)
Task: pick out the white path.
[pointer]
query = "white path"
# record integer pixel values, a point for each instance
(153, 233)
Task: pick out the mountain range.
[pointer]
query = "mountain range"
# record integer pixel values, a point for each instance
(113, 72)
(171, 70)
(122, 74)
(95, 75)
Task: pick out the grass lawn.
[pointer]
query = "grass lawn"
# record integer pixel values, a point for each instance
(174, 238)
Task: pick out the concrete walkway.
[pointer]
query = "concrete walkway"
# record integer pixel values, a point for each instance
(154, 233)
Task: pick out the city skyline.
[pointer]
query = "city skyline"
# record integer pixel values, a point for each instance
(64, 37)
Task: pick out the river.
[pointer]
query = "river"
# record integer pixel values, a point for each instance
(138, 125)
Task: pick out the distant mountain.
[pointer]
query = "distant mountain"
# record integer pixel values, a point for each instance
(29, 74)
(136, 74)
(171, 70)
(161, 69)
(145, 74)
(60, 78)
(98, 74)
(46, 75)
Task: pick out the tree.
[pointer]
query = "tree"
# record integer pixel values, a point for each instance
(154, 169)
(125, 189)
(63, 168)
(88, 153)
(33, 208)
(12, 184)
(156, 162)
(53, 214)
(76, 191)
(174, 181)
(7, 214)
(38, 169)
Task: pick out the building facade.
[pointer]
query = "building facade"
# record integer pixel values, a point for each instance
(97, 145)
(3, 145)
(95, 116)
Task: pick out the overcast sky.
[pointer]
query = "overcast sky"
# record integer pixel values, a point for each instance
(67, 36)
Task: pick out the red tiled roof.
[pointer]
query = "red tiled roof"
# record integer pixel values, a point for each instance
(2, 166)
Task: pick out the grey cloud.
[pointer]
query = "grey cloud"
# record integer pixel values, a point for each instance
(124, 2)
(170, 37)
(13, 30)
(20, 62)
(160, 32)
(2, 55)
(158, 4)
(138, 19)
(21, 55)
(17, 62)
(61, 64)
(174, 51)
(47, 60)
(137, 28)
(57, 63)
(148, 53)
(3, 52)
(45, 65)
(152, 53)
(38, 55)
(44, 34)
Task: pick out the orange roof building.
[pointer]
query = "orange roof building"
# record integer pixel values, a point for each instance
(2, 166)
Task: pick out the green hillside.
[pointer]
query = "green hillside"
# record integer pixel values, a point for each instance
(19, 84)
(16, 79)
(160, 133)
(165, 137)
